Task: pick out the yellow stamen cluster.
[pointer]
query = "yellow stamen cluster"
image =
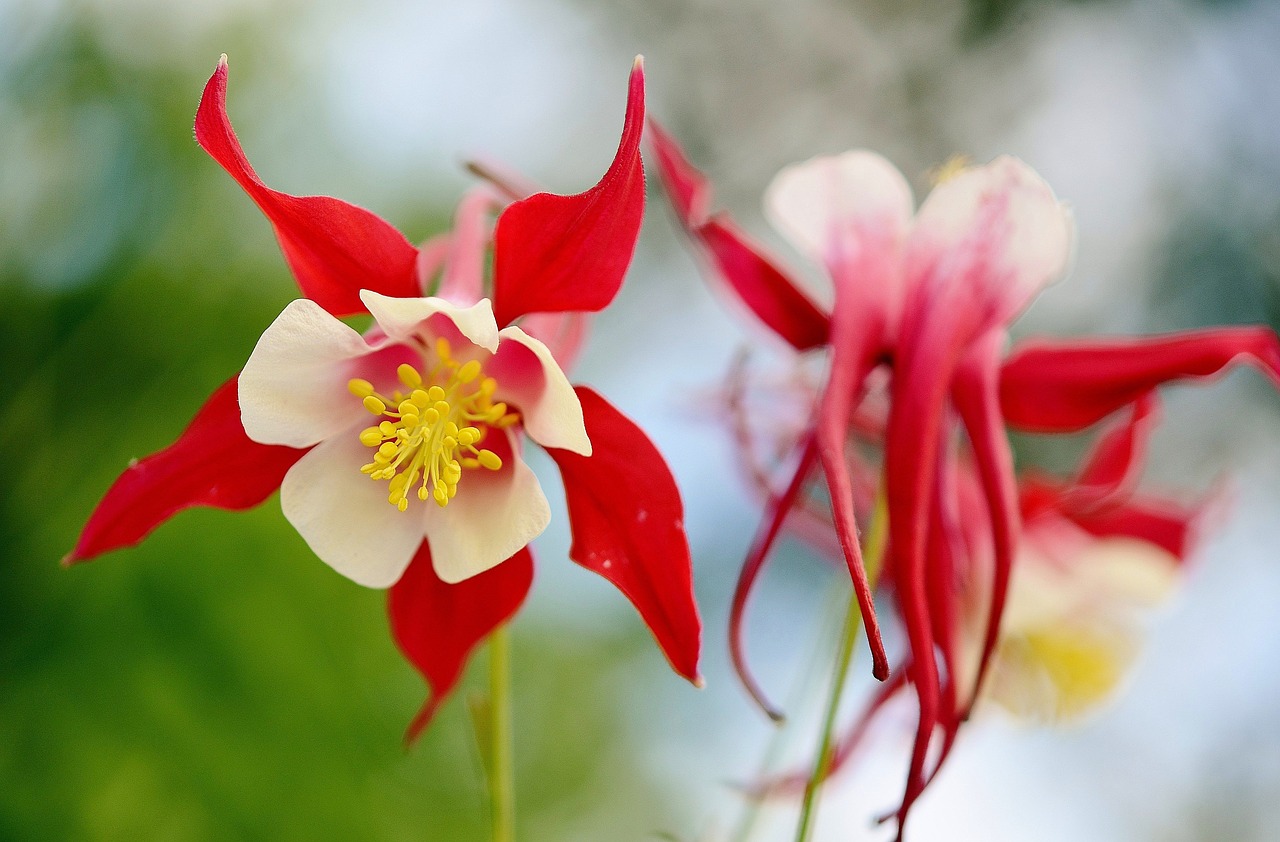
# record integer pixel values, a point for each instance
(429, 431)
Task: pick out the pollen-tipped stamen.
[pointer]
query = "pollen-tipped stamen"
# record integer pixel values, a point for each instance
(427, 437)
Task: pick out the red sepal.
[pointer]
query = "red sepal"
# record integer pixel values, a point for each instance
(437, 625)
(555, 254)
(335, 249)
(764, 288)
(213, 463)
(1060, 386)
(628, 525)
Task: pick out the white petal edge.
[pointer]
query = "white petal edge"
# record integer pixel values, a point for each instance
(293, 390)
(828, 206)
(344, 516)
(402, 318)
(1005, 199)
(492, 517)
(552, 415)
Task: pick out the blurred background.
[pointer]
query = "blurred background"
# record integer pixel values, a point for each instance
(220, 683)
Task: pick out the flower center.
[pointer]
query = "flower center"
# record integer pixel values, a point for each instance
(429, 432)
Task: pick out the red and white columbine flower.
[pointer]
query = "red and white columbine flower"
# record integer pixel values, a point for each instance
(397, 452)
(928, 297)
(424, 405)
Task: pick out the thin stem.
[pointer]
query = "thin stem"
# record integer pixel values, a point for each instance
(874, 556)
(806, 681)
(502, 791)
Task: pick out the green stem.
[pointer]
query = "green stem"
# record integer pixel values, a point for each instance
(805, 687)
(502, 790)
(873, 555)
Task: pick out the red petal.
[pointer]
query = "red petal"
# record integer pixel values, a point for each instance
(628, 525)
(437, 625)
(569, 253)
(754, 278)
(213, 463)
(1114, 465)
(1169, 525)
(335, 249)
(1061, 386)
(686, 186)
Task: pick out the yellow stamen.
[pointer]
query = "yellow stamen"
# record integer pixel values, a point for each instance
(409, 376)
(426, 439)
(954, 165)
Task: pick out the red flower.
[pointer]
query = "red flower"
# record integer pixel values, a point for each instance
(432, 499)
(928, 298)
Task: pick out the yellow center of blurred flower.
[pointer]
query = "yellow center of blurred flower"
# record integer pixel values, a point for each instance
(428, 433)
(953, 166)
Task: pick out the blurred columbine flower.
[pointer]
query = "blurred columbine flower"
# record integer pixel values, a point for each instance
(925, 300)
(397, 452)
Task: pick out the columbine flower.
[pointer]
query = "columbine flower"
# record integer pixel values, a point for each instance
(397, 452)
(929, 297)
(1094, 557)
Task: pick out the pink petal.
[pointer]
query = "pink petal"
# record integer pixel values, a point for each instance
(431, 259)
(628, 525)
(752, 276)
(993, 237)
(1059, 386)
(850, 213)
(213, 463)
(464, 269)
(563, 333)
(438, 625)
(859, 238)
(335, 249)
(569, 253)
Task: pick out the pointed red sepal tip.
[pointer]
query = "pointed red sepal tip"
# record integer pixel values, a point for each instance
(334, 248)
(1054, 386)
(746, 268)
(627, 523)
(213, 463)
(555, 254)
(438, 625)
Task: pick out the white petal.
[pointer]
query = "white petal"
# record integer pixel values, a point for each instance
(549, 408)
(997, 228)
(293, 389)
(831, 207)
(402, 318)
(493, 515)
(344, 516)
